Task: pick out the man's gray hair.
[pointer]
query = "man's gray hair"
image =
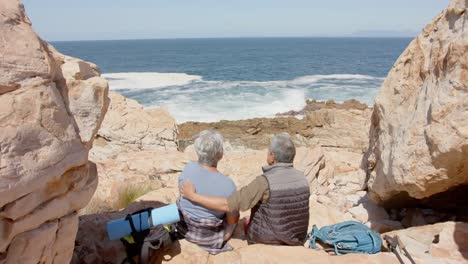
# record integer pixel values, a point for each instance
(209, 147)
(283, 148)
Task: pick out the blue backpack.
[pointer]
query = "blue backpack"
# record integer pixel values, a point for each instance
(346, 237)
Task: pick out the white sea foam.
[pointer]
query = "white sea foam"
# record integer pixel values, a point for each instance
(315, 78)
(145, 80)
(234, 106)
(190, 98)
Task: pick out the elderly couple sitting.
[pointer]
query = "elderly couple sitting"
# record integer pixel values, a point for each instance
(210, 205)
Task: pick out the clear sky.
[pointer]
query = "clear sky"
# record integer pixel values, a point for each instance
(147, 19)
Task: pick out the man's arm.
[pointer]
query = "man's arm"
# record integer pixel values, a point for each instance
(187, 190)
(242, 200)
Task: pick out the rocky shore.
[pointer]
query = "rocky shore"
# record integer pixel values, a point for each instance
(317, 120)
(69, 147)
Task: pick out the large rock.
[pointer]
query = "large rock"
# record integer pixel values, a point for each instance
(132, 143)
(129, 127)
(158, 168)
(48, 119)
(82, 90)
(419, 133)
(24, 56)
(340, 128)
(316, 167)
(439, 243)
(326, 167)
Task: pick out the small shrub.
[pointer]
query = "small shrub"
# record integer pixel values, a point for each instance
(128, 194)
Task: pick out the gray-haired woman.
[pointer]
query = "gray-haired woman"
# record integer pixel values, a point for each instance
(201, 225)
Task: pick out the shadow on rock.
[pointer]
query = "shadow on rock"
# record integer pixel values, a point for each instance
(168, 255)
(460, 237)
(92, 244)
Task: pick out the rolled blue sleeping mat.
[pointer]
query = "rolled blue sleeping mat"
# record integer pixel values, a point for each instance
(168, 214)
(118, 228)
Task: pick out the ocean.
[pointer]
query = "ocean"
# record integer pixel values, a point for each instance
(238, 78)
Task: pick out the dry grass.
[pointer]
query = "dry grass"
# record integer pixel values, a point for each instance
(129, 193)
(125, 196)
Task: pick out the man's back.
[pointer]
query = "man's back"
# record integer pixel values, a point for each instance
(206, 182)
(284, 218)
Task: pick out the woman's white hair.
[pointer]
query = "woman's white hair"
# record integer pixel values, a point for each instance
(209, 147)
(283, 148)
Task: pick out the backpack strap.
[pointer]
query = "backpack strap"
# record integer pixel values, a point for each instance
(159, 240)
(129, 247)
(129, 218)
(145, 249)
(129, 250)
(334, 249)
(313, 236)
(374, 244)
(134, 242)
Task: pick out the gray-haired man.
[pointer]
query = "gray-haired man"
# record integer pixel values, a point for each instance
(279, 199)
(205, 227)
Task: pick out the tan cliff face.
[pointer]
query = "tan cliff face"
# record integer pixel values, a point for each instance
(51, 107)
(419, 131)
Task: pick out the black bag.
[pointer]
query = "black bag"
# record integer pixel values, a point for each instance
(147, 243)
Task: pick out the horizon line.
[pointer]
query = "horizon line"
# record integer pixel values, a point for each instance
(259, 37)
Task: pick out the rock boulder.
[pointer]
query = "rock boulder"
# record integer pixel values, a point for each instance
(439, 243)
(132, 143)
(48, 120)
(419, 131)
(129, 127)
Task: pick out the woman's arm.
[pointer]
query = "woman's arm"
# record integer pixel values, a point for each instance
(231, 222)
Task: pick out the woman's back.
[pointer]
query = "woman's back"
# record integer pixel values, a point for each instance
(206, 182)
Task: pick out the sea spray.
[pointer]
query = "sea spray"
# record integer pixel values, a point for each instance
(145, 80)
(191, 98)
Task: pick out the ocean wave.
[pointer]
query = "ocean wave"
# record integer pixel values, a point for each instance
(146, 80)
(235, 106)
(315, 78)
(151, 80)
(191, 98)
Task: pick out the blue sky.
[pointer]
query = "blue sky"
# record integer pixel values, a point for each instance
(147, 19)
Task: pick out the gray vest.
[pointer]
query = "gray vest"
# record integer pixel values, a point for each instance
(284, 218)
